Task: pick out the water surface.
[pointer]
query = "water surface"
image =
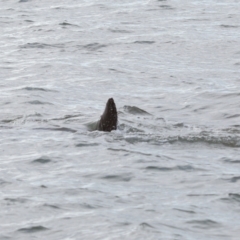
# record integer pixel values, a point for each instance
(171, 170)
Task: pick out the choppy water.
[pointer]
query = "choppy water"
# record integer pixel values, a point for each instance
(171, 170)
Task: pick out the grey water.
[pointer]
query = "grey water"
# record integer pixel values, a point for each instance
(172, 168)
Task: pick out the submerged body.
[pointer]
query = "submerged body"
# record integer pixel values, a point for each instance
(108, 121)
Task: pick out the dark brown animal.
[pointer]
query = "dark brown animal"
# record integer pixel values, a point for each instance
(109, 118)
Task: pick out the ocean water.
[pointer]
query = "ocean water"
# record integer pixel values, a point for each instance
(172, 168)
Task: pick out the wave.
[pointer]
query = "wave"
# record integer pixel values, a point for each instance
(38, 89)
(170, 137)
(33, 229)
(135, 110)
(41, 45)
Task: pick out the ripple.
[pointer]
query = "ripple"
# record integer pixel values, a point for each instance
(186, 168)
(86, 144)
(183, 210)
(233, 179)
(155, 168)
(29, 21)
(234, 196)
(11, 120)
(38, 89)
(145, 225)
(204, 224)
(119, 31)
(63, 129)
(89, 206)
(42, 160)
(229, 26)
(51, 206)
(3, 182)
(33, 229)
(94, 46)
(202, 195)
(128, 151)
(67, 117)
(136, 139)
(204, 137)
(230, 141)
(232, 116)
(115, 70)
(4, 237)
(37, 102)
(167, 7)
(16, 200)
(129, 129)
(228, 160)
(120, 177)
(41, 45)
(135, 110)
(67, 24)
(144, 42)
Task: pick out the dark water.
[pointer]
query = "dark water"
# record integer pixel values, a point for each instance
(171, 170)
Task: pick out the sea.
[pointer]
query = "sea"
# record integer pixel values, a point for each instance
(171, 170)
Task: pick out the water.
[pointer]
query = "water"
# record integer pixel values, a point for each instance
(171, 170)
